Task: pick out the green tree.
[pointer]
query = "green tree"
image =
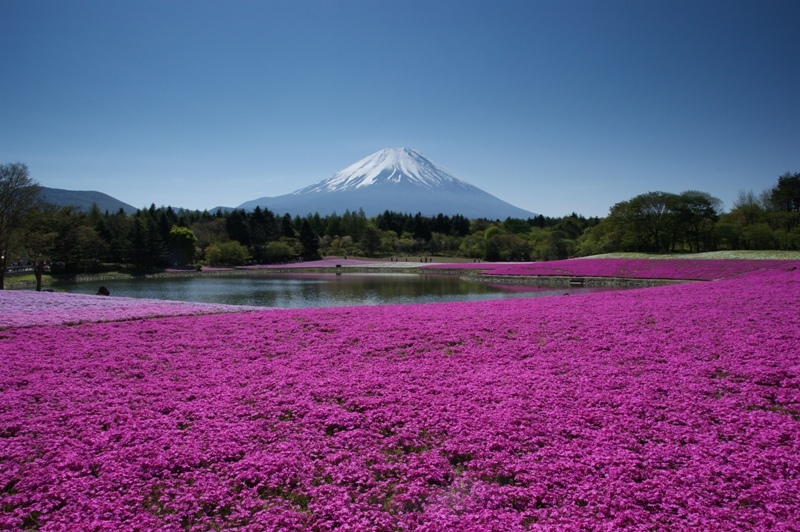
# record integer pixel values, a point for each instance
(278, 252)
(785, 196)
(18, 194)
(210, 231)
(370, 239)
(212, 255)
(785, 200)
(516, 226)
(232, 253)
(182, 245)
(138, 240)
(287, 227)
(695, 214)
(309, 240)
(238, 227)
(39, 239)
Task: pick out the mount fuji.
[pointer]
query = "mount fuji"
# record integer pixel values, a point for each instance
(395, 179)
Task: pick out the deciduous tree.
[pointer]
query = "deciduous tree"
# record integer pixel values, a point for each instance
(18, 194)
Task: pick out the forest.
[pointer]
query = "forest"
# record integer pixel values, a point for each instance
(67, 240)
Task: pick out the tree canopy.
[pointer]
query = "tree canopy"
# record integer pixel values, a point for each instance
(68, 240)
(18, 195)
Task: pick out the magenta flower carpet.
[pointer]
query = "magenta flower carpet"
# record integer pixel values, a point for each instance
(675, 269)
(669, 408)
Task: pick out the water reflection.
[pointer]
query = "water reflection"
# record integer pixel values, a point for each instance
(318, 290)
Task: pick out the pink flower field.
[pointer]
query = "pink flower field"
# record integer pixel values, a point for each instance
(668, 408)
(27, 308)
(322, 263)
(675, 269)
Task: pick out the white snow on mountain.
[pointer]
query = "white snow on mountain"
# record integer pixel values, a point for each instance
(393, 179)
(390, 165)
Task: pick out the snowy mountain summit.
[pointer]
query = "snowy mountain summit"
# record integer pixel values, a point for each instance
(393, 179)
(389, 166)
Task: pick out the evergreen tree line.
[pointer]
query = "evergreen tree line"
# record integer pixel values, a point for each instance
(67, 240)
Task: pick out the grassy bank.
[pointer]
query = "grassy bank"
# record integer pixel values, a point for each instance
(709, 255)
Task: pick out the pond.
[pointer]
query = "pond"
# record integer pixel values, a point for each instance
(317, 290)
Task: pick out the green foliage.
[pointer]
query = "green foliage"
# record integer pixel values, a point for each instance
(279, 252)
(230, 253)
(370, 240)
(18, 194)
(182, 245)
(785, 196)
(309, 241)
(653, 222)
(658, 222)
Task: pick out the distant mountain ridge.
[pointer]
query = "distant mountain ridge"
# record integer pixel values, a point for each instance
(394, 179)
(84, 199)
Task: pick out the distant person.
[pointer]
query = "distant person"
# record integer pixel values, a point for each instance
(103, 291)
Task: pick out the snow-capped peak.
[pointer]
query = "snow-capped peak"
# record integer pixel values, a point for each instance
(387, 166)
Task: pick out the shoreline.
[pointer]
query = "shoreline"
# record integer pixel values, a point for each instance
(467, 275)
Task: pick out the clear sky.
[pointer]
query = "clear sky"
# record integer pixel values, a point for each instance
(554, 106)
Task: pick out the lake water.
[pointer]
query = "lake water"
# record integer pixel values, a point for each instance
(317, 290)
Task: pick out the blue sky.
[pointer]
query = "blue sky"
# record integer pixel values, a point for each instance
(554, 106)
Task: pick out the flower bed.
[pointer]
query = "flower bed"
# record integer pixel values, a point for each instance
(670, 408)
(27, 308)
(676, 269)
(322, 263)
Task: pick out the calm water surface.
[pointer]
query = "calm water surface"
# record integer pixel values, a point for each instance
(317, 290)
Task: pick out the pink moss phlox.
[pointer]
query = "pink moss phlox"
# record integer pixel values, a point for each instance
(669, 408)
(674, 269)
(27, 308)
(323, 263)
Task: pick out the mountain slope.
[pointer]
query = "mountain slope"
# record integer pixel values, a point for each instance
(84, 199)
(395, 179)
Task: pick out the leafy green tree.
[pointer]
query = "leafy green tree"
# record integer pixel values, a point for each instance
(182, 245)
(39, 239)
(278, 252)
(785, 196)
(389, 243)
(68, 251)
(785, 200)
(759, 236)
(516, 226)
(232, 253)
(18, 194)
(210, 231)
(695, 214)
(593, 241)
(651, 219)
(342, 246)
(407, 244)
(212, 255)
(472, 246)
